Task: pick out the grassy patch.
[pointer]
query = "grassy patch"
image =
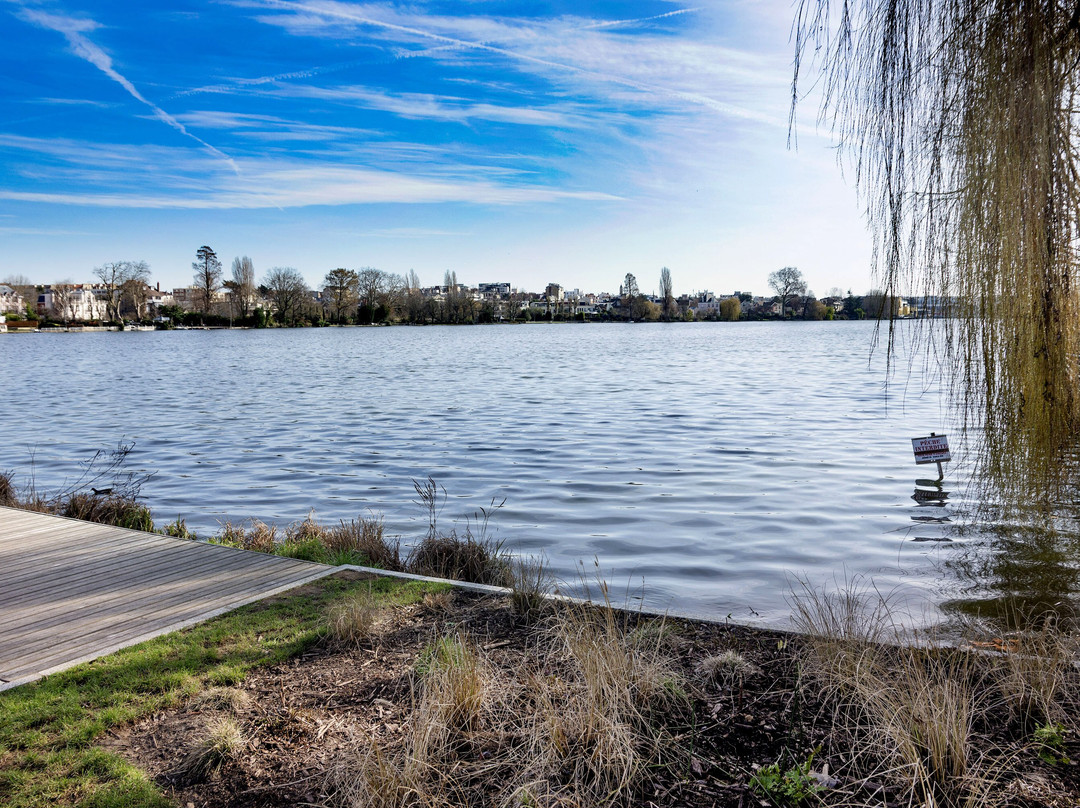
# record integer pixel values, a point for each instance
(48, 729)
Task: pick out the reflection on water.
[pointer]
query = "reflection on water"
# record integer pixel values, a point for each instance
(1015, 573)
(713, 462)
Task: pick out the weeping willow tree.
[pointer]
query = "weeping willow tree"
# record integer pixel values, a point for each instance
(959, 119)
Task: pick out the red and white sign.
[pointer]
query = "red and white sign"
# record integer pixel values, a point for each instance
(932, 449)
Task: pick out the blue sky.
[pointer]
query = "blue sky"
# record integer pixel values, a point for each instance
(525, 142)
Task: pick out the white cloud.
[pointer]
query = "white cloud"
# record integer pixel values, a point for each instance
(687, 69)
(435, 107)
(114, 176)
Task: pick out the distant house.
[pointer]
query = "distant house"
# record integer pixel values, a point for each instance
(10, 300)
(71, 301)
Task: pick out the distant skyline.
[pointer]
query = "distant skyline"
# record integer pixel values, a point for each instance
(527, 143)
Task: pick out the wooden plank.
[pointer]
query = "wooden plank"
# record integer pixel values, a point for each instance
(127, 581)
(84, 576)
(104, 632)
(71, 590)
(179, 602)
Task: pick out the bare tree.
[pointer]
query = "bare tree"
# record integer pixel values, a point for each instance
(668, 308)
(243, 286)
(628, 294)
(788, 283)
(393, 296)
(112, 276)
(371, 283)
(340, 288)
(136, 287)
(63, 301)
(207, 278)
(288, 291)
(414, 298)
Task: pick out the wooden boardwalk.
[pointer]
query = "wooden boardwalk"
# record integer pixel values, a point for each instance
(72, 591)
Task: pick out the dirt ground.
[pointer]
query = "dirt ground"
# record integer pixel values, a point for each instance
(300, 719)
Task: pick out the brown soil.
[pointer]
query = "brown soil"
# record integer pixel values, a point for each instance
(304, 716)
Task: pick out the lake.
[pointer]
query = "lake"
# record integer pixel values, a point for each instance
(703, 465)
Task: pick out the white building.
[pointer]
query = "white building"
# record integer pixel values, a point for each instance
(10, 300)
(72, 301)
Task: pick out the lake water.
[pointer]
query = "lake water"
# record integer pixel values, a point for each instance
(702, 465)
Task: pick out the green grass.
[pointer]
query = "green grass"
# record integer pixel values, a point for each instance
(48, 729)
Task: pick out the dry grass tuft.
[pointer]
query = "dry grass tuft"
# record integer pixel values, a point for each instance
(908, 712)
(530, 588)
(353, 621)
(727, 668)
(107, 510)
(221, 698)
(461, 559)
(257, 536)
(439, 601)
(591, 738)
(366, 537)
(1036, 672)
(9, 496)
(571, 725)
(455, 685)
(306, 531)
(223, 741)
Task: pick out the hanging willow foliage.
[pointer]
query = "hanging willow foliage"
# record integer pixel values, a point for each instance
(959, 118)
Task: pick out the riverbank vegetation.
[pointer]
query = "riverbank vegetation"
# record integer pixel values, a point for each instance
(368, 692)
(474, 554)
(384, 694)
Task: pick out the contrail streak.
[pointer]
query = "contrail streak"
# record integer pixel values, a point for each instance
(73, 30)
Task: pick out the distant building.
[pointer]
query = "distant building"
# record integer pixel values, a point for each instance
(72, 301)
(10, 300)
(489, 290)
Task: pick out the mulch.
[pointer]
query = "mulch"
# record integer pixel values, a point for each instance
(304, 716)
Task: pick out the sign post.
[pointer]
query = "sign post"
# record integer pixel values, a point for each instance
(932, 449)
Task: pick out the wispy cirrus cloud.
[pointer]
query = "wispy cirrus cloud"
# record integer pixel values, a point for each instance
(75, 30)
(41, 231)
(435, 107)
(592, 53)
(97, 175)
(270, 127)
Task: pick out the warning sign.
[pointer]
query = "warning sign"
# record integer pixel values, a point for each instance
(932, 449)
